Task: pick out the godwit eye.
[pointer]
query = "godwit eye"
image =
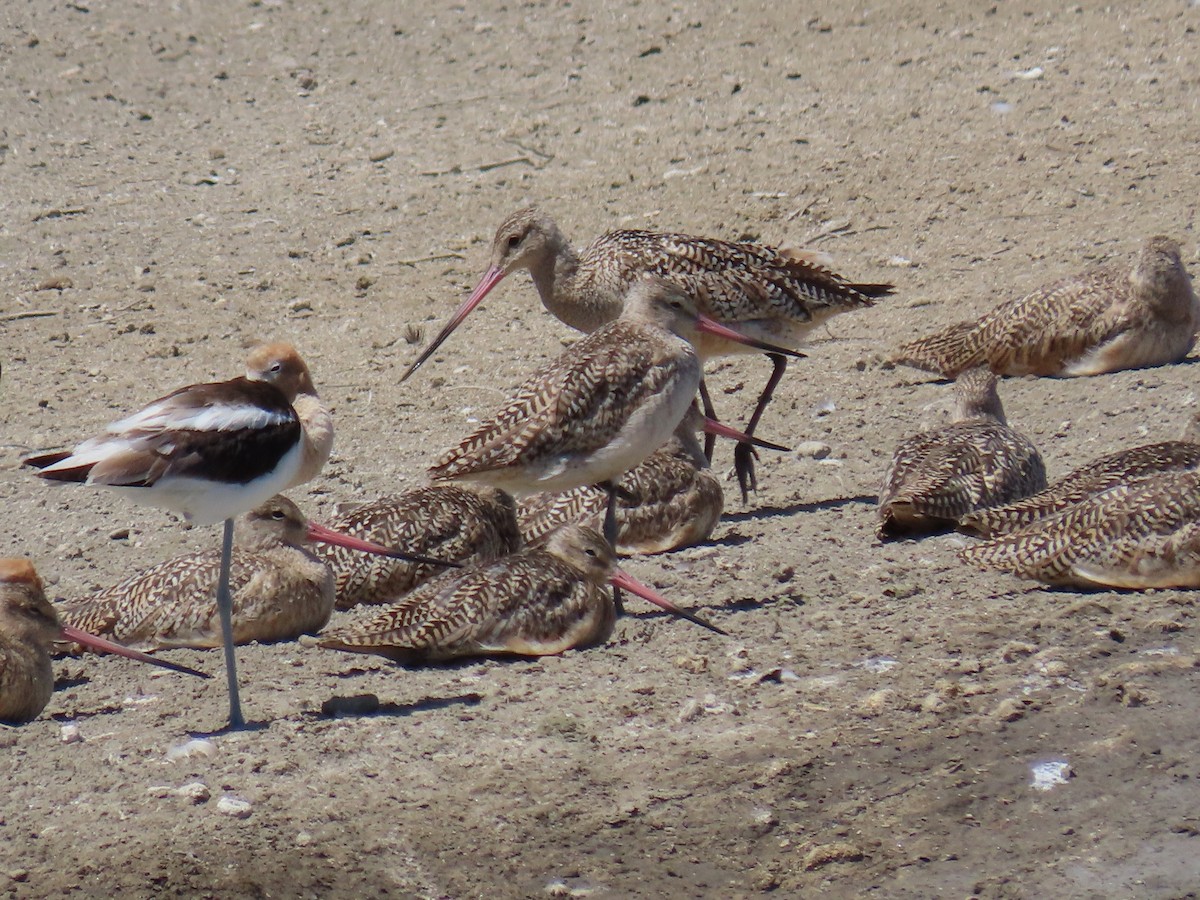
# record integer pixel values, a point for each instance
(277, 367)
(511, 243)
(278, 515)
(590, 552)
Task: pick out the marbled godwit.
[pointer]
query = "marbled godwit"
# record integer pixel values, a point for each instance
(1137, 535)
(538, 601)
(770, 294)
(1098, 476)
(978, 461)
(465, 524)
(280, 588)
(1109, 319)
(599, 409)
(670, 500)
(28, 628)
(211, 451)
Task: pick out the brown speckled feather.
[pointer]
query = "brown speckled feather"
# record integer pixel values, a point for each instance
(456, 523)
(1110, 318)
(540, 600)
(1137, 535)
(1108, 471)
(280, 590)
(670, 501)
(940, 475)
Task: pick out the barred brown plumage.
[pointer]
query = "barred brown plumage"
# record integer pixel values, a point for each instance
(29, 626)
(457, 523)
(773, 295)
(669, 501)
(1134, 535)
(538, 601)
(940, 475)
(280, 588)
(1111, 318)
(597, 410)
(1099, 475)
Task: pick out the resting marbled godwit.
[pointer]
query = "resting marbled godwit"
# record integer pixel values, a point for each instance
(280, 588)
(28, 628)
(1135, 535)
(600, 408)
(536, 602)
(464, 524)
(670, 500)
(773, 295)
(1109, 319)
(211, 451)
(1098, 476)
(940, 475)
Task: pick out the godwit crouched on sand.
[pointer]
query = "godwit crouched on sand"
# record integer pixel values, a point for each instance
(1109, 319)
(940, 475)
(212, 451)
(538, 601)
(600, 408)
(280, 588)
(28, 628)
(772, 295)
(1123, 467)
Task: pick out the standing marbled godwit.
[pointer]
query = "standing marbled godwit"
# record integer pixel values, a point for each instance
(1134, 535)
(1109, 319)
(211, 451)
(538, 601)
(940, 475)
(464, 524)
(670, 500)
(770, 294)
(1098, 476)
(28, 628)
(599, 409)
(280, 589)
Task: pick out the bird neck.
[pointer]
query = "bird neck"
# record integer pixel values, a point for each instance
(563, 291)
(317, 425)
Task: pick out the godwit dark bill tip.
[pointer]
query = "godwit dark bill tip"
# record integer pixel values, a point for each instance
(101, 645)
(627, 582)
(716, 329)
(490, 279)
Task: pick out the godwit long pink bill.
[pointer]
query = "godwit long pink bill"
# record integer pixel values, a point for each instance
(626, 582)
(712, 426)
(495, 275)
(492, 277)
(329, 536)
(100, 645)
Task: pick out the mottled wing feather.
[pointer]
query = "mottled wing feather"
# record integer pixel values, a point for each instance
(598, 384)
(1123, 466)
(468, 612)
(733, 281)
(1129, 528)
(164, 606)
(944, 474)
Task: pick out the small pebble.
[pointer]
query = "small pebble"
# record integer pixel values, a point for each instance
(197, 792)
(70, 734)
(229, 805)
(119, 534)
(192, 748)
(692, 710)
(813, 450)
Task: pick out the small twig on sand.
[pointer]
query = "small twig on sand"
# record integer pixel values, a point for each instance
(483, 167)
(30, 314)
(434, 257)
(56, 213)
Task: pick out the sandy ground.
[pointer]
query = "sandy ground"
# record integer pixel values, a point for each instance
(182, 180)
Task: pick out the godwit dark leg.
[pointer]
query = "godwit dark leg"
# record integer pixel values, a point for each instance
(710, 440)
(610, 534)
(744, 454)
(225, 608)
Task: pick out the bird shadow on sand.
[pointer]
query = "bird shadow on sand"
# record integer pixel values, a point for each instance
(368, 706)
(776, 512)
